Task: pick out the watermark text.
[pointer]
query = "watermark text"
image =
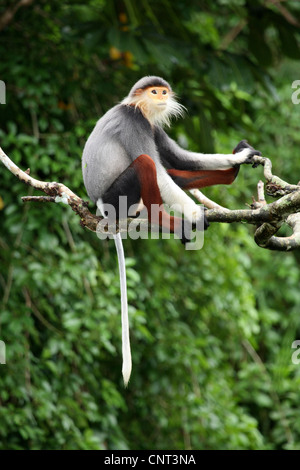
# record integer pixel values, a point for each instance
(2, 352)
(296, 354)
(2, 92)
(296, 95)
(154, 222)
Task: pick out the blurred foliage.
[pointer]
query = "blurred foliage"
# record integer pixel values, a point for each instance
(211, 330)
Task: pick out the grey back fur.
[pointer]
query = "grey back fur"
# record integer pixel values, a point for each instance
(118, 138)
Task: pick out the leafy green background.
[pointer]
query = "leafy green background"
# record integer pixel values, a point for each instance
(211, 331)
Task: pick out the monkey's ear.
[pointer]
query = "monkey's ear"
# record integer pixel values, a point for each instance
(138, 92)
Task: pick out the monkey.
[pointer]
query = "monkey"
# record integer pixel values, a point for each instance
(129, 154)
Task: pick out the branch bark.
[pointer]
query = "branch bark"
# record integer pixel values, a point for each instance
(56, 192)
(267, 217)
(9, 14)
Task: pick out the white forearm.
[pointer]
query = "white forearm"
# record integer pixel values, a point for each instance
(181, 159)
(213, 161)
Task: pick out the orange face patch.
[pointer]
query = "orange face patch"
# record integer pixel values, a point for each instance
(158, 94)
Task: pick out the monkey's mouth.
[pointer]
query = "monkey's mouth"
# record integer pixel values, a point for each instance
(161, 104)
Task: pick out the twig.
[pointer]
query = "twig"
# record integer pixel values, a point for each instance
(9, 14)
(285, 13)
(232, 34)
(57, 191)
(261, 193)
(38, 198)
(205, 200)
(37, 313)
(273, 181)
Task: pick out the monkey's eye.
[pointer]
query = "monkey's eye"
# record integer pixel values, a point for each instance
(154, 92)
(164, 92)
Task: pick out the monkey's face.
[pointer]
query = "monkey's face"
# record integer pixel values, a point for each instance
(158, 96)
(157, 103)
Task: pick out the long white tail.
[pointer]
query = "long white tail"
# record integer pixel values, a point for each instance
(126, 352)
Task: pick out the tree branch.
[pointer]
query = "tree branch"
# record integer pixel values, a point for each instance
(205, 200)
(285, 13)
(275, 186)
(267, 217)
(9, 14)
(56, 192)
(232, 34)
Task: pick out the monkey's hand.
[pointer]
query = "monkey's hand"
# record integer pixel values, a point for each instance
(205, 222)
(188, 228)
(245, 153)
